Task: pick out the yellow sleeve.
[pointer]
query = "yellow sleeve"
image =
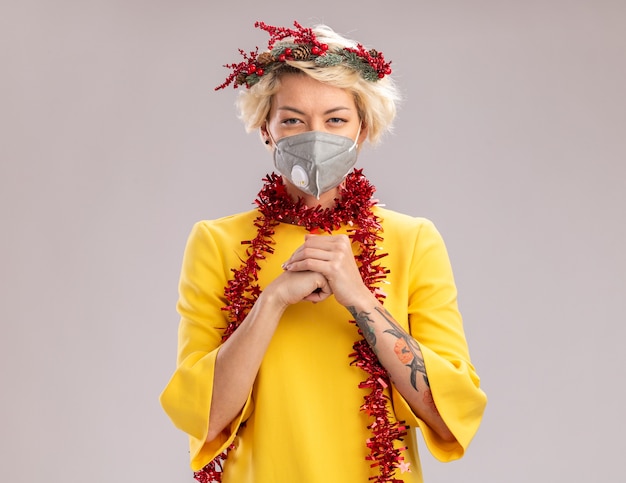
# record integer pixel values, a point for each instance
(436, 324)
(187, 397)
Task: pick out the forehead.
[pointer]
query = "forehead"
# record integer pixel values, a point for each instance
(303, 92)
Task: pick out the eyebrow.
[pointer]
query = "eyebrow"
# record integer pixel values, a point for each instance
(298, 111)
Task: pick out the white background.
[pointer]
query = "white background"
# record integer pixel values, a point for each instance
(511, 138)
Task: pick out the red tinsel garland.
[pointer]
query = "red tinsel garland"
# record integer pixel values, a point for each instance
(353, 208)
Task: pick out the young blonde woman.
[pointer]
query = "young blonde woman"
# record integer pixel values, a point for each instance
(319, 331)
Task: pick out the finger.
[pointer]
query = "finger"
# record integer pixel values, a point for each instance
(326, 241)
(319, 294)
(321, 248)
(308, 265)
(309, 254)
(293, 287)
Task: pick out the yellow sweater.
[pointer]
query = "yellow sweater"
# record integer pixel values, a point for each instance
(302, 422)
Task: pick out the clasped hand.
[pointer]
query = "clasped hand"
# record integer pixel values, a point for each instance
(321, 266)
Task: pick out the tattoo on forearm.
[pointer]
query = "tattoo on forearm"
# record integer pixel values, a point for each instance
(406, 349)
(364, 322)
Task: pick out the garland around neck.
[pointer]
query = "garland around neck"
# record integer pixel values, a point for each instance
(354, 209)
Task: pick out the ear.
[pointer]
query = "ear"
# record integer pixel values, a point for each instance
(263, 133)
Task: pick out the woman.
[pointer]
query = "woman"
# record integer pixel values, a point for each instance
(319, 331)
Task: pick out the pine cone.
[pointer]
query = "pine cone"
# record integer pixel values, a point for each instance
(241, 78)
(373, 53)
(302, 52)
(265, 58)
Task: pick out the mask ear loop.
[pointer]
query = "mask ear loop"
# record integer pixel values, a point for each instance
(356, 141)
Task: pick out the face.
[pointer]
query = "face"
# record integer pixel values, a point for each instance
(304, 104)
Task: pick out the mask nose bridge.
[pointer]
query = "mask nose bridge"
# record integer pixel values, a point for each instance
(355, 144)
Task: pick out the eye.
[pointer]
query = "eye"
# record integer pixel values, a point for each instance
(337, 121)
(292, 121)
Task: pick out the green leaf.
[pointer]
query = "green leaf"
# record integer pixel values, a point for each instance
(329, 59)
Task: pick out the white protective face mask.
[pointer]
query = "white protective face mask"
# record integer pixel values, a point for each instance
(315, 161)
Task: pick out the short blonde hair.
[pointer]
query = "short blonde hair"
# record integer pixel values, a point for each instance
(375, 100)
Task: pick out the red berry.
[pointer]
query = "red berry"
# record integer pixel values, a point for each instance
(282, 57)
(288, 51)
(324, 47)
(251, 69)
(260, 72)
(315, 50)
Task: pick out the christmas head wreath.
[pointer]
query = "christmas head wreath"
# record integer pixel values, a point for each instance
(302, 45)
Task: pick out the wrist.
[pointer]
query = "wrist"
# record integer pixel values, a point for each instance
(364, 300)
(271, 301)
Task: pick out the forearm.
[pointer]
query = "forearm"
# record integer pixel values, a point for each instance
(238, 362)
(402, 357)
(239, 358)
